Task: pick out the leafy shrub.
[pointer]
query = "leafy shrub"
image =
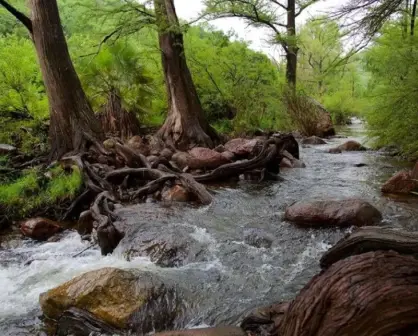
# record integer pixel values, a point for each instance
(35, 191)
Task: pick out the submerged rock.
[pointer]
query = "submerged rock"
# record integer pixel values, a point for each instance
(123, 299)
(39, 228)
(402, 182)
(313, 140)
(217, 331)
(349, 212)
(258, 238)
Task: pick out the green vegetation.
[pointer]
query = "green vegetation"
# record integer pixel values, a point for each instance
(240, 89)
(35, 190)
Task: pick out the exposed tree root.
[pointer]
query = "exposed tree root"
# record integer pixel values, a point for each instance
(371, 294)
(368, 239)
(136, 180)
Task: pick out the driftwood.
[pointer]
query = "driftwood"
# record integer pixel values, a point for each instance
(371, 294)
(369, 239)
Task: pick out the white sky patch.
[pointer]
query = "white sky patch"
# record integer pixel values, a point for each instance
(258, 37)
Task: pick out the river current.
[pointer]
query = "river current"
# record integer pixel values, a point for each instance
(234, 277)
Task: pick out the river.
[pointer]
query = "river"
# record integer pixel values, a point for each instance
(234, 277)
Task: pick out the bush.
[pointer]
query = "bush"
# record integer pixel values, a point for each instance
(35, 191)
(303, 112)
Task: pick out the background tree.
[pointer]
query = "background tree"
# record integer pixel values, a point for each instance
(268, 14)
(72, 125)
(185, 125)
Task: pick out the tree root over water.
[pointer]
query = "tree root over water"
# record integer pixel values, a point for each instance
(368, 287)
(118, 174)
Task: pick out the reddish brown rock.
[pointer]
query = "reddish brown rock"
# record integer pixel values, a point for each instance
(208, 158)
(244, 147)
(349, 212)
(218, 331)
(349, 146)
(176, 194)
(289, 161)
(286, 163)
(313, 140)
(228, 155)
(39, 228)
(401, 183)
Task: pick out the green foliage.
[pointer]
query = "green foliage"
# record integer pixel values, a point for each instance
(329, 73)
(393, 94)
(35, 190)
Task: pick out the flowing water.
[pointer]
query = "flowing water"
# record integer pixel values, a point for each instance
(234, 277)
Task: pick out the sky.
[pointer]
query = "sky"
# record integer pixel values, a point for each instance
(190, 9)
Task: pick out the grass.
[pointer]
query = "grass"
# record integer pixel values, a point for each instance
(35, 191)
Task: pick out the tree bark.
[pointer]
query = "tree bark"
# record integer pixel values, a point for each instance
(413, 17)
(185, 126)
(73, 125)
(291, 47)
(371, 294)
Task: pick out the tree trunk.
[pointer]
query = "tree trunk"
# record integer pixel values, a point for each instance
(413, 17)
(73, 124)
(371, 294)
(291, 47)
(185, 126)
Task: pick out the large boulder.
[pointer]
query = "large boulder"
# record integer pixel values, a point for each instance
(349, 212)
(313, 140)
(7, 149)
(217, 331)
(244, 148)
(402, 182)
(123, 299)
(200, 158)
(349, 146)
(39, 228)
(325, 127)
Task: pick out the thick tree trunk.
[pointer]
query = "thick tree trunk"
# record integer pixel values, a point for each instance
(291, 47)
(185, 125)
(371, 294)
(73, 124)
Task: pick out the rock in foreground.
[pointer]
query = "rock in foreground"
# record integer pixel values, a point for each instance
(39, 228)
(350, 212)
(133, 300)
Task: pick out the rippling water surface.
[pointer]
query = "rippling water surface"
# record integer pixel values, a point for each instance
(233, 277)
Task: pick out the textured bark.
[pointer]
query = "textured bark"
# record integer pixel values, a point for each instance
(116, 120)
(369, 239)
(185, 126)
(291, 48)
(73, 125)
(371, 294)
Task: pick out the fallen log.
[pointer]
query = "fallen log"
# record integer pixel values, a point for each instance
(369, 239)
(371, 294)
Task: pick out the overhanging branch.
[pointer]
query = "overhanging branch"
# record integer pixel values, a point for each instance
(18, 15)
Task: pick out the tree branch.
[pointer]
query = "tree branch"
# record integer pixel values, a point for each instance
(18, 15)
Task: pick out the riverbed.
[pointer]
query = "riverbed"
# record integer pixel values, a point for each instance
(233, 277)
